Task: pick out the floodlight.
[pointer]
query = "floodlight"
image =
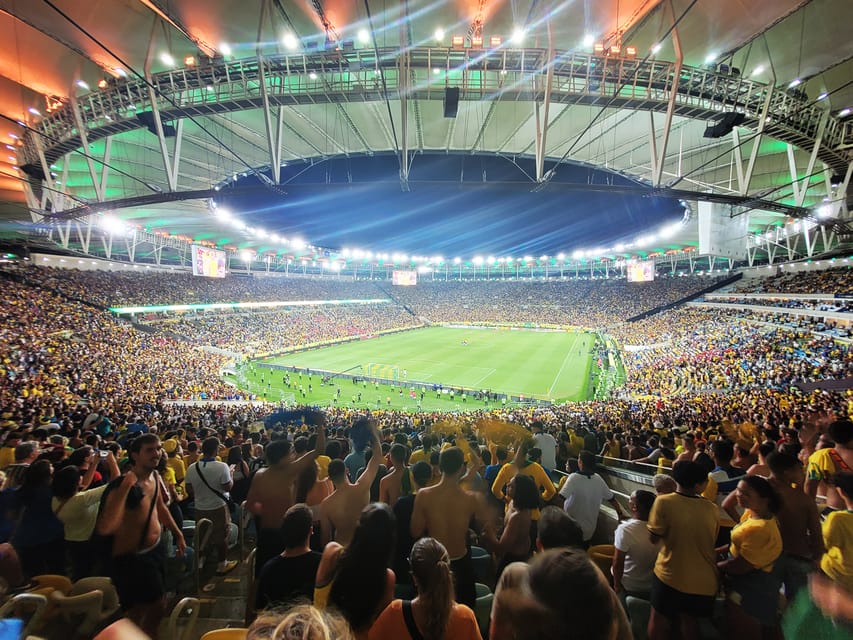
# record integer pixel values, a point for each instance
(495, 42)
(189, 61)
(167, 59)
(656, 48)
(225, 49)
(289, 41)
(517, 35)
(588, 40)
(363, 36)
(82, 84)
(439, 34)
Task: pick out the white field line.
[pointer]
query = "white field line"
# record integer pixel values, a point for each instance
(563, 366)
(479, 380)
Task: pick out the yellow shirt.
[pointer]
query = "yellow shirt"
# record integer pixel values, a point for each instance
(419, 455)
(7, 457)
(756, 540)
(821, 465)
(837, 562)
(688, 529)
(535, 471)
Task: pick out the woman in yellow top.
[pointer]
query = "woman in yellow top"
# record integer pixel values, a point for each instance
(752, 590)
(837, 562)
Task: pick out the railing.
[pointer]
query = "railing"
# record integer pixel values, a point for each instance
(505, 74)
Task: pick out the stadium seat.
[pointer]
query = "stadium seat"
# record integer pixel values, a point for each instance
(482, 561)
(639, 611)
(225, 634)
(181, 623)
(89, 602)
(483, 609)
(29, 607)
(602, 556)
(201, 544)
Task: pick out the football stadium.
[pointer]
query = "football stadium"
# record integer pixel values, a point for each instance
(506, 319)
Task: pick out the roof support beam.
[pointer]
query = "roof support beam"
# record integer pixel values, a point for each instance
(745, 179)
(84, 143)
(273, 135)
(404, 72)
(673, 94)
(169, 164)
(542, 123)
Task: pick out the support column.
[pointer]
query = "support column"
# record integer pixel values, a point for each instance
(169, 164)
(673, 94)
(542, 124)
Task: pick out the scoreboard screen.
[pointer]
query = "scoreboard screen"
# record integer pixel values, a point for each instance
(404, 278)
(209, 262)
(641, 271)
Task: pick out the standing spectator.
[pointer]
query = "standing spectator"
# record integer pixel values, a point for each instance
(399, 482)
(635, 555)
(209, 482)
(38, 538)
(340, 512)
(752, 589)
(685, 577)
(77, 507)
(584, 492)
(547, 444)
(837, 562)
(445, 511)
(825, 463)
(356, 580)
(421, 474)
(134, 514)
(519, 532)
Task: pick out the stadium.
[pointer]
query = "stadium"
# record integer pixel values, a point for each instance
(298, 297)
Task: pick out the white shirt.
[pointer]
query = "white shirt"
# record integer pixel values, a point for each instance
(217, 475)
(632, 538)
(548, 446)
(584, 495)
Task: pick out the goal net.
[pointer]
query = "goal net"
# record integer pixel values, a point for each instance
(383, 371)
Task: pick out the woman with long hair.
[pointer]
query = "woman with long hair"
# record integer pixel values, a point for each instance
(752, 588)
(357, 581)
(519, 533)
(432, 615)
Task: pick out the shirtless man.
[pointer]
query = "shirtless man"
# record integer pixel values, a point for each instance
(799, 524)
(340, 511)
(271, 492)
(444, 511)
(398, 482)
(134, 513)
(688, 442)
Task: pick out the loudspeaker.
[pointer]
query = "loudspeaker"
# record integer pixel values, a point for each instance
(451, 102)
(33, 170)
(724, 125)
(147, 118)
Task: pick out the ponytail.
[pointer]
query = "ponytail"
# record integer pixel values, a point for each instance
(431, 568)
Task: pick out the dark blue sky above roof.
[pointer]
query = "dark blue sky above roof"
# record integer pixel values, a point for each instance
(458, 204)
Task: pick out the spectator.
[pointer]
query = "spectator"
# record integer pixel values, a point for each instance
(290, 576)
(432, 615)
(584, 492)
(635, 554)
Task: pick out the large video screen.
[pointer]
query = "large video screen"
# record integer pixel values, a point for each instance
(641, 271)
(209, 262)
(404, 278)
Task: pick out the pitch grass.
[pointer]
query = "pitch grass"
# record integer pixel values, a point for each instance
(543, 365)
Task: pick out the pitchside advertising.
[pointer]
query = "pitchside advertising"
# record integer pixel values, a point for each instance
(209, 262)
(404, 278)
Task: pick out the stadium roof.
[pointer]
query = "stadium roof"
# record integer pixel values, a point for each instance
(339, 89)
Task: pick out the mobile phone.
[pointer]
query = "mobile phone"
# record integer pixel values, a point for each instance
(104, 454)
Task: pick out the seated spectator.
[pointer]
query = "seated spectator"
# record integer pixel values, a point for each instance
(560, 594)
(302, 622)
(290, 576)
(432, 615)
(556, 529)
(663, 484)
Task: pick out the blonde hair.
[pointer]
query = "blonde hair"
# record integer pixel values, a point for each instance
(430, 564)
(305, 622)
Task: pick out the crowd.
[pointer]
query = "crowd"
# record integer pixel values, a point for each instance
(586, 303)
(268, 332)
(84, 409)
(832, 281)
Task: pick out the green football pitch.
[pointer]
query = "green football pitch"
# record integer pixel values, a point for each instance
(534, 364)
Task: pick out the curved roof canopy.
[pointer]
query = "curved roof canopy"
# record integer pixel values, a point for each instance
(156, 108)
